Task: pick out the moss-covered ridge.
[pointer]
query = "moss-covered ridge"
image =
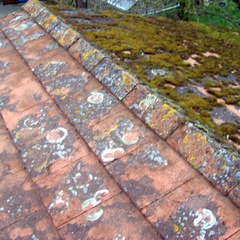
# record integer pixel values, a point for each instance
(196, 66)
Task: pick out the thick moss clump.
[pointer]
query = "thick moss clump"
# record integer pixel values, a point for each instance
(169, 56)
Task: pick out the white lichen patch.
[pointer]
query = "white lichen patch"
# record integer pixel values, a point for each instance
(95, 97)
(95, 216)
(109, 155)
(148, 101)
(205, 219)
(57, 135)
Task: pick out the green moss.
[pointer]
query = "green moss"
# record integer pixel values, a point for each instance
(143, 44)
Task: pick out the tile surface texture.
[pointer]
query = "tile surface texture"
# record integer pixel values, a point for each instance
(89, 153)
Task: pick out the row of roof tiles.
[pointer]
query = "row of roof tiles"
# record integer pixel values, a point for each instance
(92, 163)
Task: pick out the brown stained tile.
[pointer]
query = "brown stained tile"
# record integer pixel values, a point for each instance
(18, 198)
(10, 79)
(3, 130)
(36, 226)
(235, 195)
(116, 136)
(5, 45)
(11, 61)
(90, 107)
(217, 164)
(86, 54)
(13, 19)
(235, 236)
(47, 20)
(150, 172)
(55, 66)
(53, 151)
(22, 98)
(47, 47)
(162, 118)
(76, 188)
(25, 126)
(115, 78)
(10, 161)
(116, 218)
(195, 210)
(67, 87)
(65, 35)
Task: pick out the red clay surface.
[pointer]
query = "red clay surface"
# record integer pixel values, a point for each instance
(79, 161)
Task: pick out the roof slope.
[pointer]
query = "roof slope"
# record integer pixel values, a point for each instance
(77, 159)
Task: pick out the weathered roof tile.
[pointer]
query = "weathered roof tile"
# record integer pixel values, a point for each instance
(76, 188)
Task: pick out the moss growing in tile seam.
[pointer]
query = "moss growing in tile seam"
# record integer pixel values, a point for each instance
(197, 66)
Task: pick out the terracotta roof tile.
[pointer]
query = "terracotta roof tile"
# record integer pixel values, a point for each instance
(87, 152)
(76, 188)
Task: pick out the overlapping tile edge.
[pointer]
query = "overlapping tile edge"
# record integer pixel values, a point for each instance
(196, 146)
(140, 100)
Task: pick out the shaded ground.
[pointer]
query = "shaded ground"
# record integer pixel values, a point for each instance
(195, 66)
(6, 9)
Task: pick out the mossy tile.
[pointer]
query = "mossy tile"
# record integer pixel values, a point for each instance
(36, 9)
(217, 164)
(47, 20)
(65, 35)
(86, 54)
(115, 78)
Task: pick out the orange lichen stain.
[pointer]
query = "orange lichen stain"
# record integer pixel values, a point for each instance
(175, 228)
(170, 112)
(89, 53)
(196, 136)
(50, 19)
(63, 92)
(26, 132)
(106, 133)
(41, 167)
(192, 160)
(20, 232)
(126, 80)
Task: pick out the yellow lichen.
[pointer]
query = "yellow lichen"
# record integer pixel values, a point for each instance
(106, 133)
